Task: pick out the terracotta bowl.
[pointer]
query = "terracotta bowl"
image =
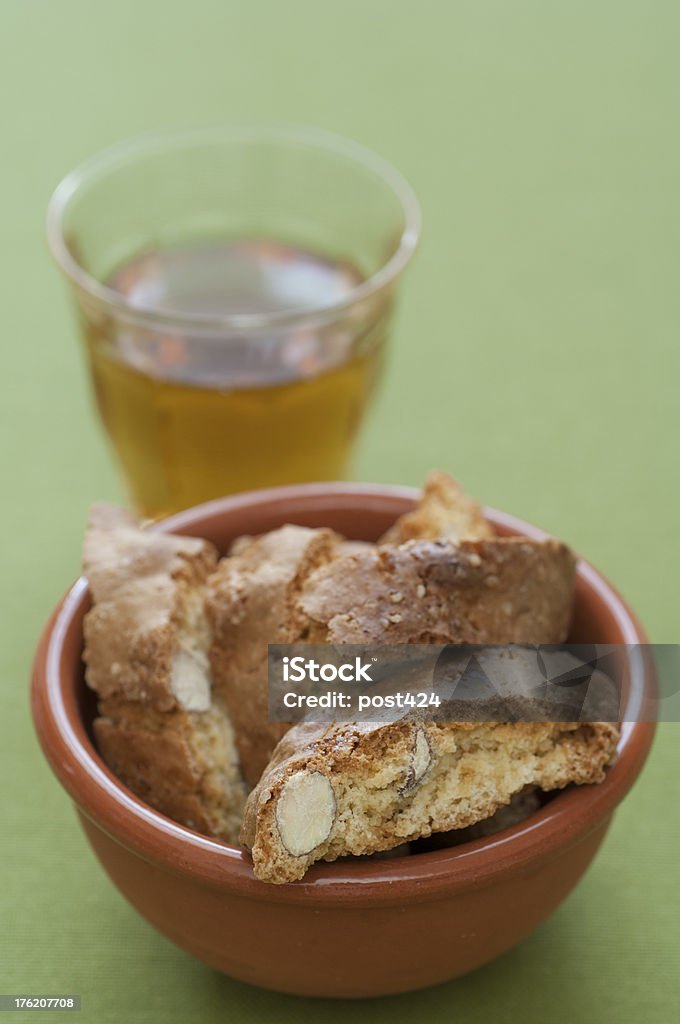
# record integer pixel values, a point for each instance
(355, 928)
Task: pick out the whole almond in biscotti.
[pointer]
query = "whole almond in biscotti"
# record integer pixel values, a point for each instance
(160, 727)
(340, 790)
(252, 602)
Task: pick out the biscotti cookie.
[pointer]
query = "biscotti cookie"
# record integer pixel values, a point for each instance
(501, 590)
(444, 512)
(339, 790)
(160, 728)
(252, 602)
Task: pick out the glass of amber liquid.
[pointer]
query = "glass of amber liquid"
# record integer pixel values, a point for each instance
(234, 287)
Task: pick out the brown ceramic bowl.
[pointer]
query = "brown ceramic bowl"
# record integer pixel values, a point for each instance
(355, 928)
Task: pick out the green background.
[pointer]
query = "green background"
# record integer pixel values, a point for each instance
(536, 357)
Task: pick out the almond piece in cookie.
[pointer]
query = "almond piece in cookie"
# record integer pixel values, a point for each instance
(160, 728)
(444, 512)
(340, 790)
(252, 602)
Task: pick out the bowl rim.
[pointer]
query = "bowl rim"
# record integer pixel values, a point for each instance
(99, 796)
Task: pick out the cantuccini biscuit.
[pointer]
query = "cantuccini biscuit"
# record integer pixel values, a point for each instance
(501, 590)
(339, 790)
(444, 512)
(252, 602)
(160, 727)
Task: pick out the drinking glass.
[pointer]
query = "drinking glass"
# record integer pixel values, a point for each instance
(234, 287)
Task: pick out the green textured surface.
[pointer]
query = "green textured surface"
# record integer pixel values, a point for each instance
(536, 357)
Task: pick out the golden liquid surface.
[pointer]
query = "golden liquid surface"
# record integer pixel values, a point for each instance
(191, 421)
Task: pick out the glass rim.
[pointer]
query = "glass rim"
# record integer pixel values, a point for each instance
(153, 142)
